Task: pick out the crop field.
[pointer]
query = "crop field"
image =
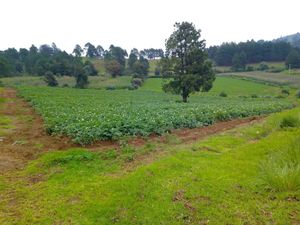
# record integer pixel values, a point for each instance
(90, 115)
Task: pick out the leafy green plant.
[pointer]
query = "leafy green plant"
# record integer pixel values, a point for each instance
(90, 115)
(223, 94)
(285, 92)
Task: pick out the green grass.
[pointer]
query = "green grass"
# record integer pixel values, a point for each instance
(216, 180)
(281, 171)
(236, 87)
(231, 86)
(271, 65)
(280, 79)
(96, 82)
(91, 115)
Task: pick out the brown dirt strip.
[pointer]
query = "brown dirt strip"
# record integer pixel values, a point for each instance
(28, 139)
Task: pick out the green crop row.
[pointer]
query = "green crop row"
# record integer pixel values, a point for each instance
(91, 115)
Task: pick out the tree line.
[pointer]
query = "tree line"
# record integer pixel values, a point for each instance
(229, 54)
(49, 58)
(39, 61)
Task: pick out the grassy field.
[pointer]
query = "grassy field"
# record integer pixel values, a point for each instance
(231, 86)
(274, 78)
(215, 181)
(97, 82)
(235, 87)
(272, 66)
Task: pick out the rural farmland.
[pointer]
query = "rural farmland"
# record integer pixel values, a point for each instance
(128, 120)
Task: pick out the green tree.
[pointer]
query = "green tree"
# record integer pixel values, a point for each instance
(100, 51)
(81, 78)
(91, 50)
(239, 61)
(50, 79)
(131, 61)
(5, 67)
(293, 59)
(113, 67)
(115, 60)
(187, 62)
(90, 69)
(78, 51)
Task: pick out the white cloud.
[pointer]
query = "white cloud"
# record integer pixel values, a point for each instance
(140, 23)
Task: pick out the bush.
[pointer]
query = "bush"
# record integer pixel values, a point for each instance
(110, 88)
(285, 92)
(50, 79)
(263, 66)
(281, 172)
(82, 80)
(298, 94)
(254, 96)
(290, 121)
(223, 94)
(65, 85)
(250, 68)
(137, 82)
(131, 87)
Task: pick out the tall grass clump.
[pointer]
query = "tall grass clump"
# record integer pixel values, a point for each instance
(281, 171)
(290, 121)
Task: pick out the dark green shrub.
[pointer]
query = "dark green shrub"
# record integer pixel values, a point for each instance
(263, 66)
(254, 96)
(82, 80)
(223, 94)
(110, 88)
(290, 121)
(250, 68)
(285, 92)
(50, 79)
(137, 82)
(131, 88)
(298, 94)
(65, 85)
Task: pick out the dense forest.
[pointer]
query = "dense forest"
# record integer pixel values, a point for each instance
(252, 51)
(50, 59)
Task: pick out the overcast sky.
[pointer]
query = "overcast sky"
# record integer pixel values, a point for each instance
(141, 23)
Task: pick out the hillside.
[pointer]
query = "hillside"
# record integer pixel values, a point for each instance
(293, 39)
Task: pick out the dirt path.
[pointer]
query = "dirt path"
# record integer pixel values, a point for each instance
(28, 139)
